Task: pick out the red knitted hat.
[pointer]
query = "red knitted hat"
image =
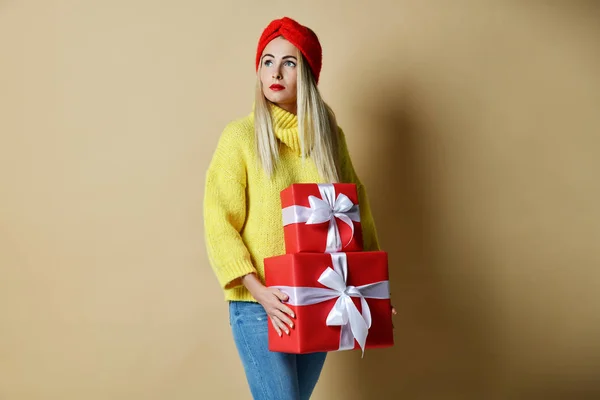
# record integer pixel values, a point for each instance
(300, 36)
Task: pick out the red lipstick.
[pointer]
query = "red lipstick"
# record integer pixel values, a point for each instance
(276, 87)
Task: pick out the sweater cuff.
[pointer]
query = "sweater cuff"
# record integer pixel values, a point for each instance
(229, 277)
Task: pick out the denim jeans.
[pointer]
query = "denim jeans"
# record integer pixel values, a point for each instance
(271, 375)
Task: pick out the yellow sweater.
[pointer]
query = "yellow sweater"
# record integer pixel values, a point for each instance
(242, 207)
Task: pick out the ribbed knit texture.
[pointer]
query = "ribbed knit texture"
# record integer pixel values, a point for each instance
(242, 207)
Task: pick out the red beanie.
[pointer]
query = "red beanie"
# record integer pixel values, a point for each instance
(300, 36)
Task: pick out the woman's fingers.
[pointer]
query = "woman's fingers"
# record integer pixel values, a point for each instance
(285, 320)
(285, 309)
(280, 306)
(279, 326)
(281, 322)
(276, 326)
(280, 295)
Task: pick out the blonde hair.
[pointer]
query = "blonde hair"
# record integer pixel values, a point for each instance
(317, 126)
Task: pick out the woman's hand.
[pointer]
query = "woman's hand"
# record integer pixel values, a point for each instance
(272, 301)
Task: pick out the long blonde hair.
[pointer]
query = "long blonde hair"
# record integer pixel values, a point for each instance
(317, 127)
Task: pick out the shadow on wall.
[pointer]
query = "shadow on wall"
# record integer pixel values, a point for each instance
(440, 351)
(444, 349)
(446, 345)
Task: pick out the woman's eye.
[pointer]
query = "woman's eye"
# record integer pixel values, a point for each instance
(290, 64)
(268, 63)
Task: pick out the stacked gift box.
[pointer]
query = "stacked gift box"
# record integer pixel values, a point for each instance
(338, 292)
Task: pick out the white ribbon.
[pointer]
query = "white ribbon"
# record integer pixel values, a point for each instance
(327, 208)
(354, 324)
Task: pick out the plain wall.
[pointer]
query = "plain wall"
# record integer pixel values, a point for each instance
(475, 126)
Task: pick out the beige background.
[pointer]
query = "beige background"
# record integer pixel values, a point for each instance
(475, 126)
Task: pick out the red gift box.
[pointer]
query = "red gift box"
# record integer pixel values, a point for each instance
(324, 287)
(321, 218)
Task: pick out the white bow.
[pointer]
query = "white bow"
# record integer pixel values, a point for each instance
(327, 208)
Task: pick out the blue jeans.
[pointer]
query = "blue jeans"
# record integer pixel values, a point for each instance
(271, 375)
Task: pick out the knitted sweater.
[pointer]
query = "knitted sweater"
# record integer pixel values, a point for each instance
(242, 206)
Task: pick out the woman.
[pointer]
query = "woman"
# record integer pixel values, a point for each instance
(291, 137)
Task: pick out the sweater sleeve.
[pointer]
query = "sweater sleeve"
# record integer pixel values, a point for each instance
(225, 211)
(348, 174)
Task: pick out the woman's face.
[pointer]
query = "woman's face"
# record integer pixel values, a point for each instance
(278, 73)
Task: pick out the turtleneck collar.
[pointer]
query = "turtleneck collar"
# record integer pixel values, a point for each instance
(285, 125)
